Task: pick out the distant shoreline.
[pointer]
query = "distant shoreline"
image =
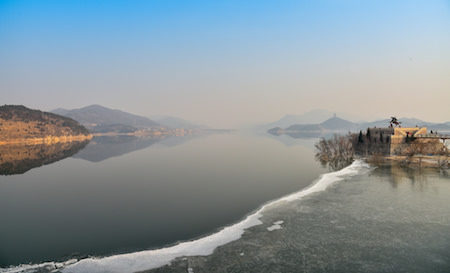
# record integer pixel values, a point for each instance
(163, 133)
(46, 140)
(75, 138)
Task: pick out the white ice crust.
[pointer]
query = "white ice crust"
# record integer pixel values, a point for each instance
(276, 225)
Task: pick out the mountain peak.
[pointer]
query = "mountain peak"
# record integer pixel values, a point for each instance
(95, 107)
(101, 119)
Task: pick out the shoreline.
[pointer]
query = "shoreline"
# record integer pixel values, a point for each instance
(164, 133)
(47, 140)
(416, 161)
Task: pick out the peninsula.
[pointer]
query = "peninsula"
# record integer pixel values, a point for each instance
(409, 146)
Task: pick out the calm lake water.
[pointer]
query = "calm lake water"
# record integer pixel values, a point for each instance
(125, 194)
(218, 203)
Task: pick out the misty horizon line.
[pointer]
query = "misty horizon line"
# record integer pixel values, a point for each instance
(335, 113)
(342, 115)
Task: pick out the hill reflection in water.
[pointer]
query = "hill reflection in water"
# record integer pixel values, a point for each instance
(104, 147)
(18, 159)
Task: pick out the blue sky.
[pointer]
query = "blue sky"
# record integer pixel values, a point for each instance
(228, 63)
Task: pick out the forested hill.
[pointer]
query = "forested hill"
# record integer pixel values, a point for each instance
(20, 122)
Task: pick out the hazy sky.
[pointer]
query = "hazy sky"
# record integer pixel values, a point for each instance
(228, 63)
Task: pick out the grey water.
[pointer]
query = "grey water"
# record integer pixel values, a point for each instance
(121, 195)
(125, 194)
(386, 219)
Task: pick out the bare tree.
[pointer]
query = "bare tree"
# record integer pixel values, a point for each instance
(337, 151)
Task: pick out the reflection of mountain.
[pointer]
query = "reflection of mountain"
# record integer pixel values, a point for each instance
(103, 147)
(172, 141)
(309, 134)
(289, 141)
(18, 159)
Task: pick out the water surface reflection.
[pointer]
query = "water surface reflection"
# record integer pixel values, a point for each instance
(130, 194)
(18, 159)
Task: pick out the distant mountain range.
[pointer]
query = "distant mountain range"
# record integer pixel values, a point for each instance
(310, 117)
(100, 119)
(339, 125)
